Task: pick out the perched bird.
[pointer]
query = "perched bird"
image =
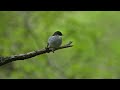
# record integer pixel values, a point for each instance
(55, 40)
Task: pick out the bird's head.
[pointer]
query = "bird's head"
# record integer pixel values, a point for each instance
(58, 33)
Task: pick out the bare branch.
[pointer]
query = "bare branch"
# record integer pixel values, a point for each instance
(5, 60)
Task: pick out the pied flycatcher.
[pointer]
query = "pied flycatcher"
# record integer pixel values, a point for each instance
(55, 40)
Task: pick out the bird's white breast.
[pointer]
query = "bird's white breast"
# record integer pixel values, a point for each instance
(55, 41)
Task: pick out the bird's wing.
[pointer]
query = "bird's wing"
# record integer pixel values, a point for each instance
(51, 39)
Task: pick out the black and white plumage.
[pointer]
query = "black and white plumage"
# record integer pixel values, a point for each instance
(55, 40)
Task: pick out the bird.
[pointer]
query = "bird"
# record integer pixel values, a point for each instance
(55, 40)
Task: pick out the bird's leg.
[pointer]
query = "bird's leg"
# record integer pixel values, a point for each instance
(53, 49)
(48, 48)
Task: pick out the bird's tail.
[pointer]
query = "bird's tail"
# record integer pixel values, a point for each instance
(47, 45)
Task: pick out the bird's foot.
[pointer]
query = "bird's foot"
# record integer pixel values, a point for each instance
(48, 49)
(53, 49)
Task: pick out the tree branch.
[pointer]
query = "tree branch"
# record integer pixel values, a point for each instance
(5, 60)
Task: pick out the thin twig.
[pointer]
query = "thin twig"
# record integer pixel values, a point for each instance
(5, 60)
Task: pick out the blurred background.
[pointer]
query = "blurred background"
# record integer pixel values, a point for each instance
(95, 36)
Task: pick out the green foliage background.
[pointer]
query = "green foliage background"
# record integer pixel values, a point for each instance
(95, 36)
